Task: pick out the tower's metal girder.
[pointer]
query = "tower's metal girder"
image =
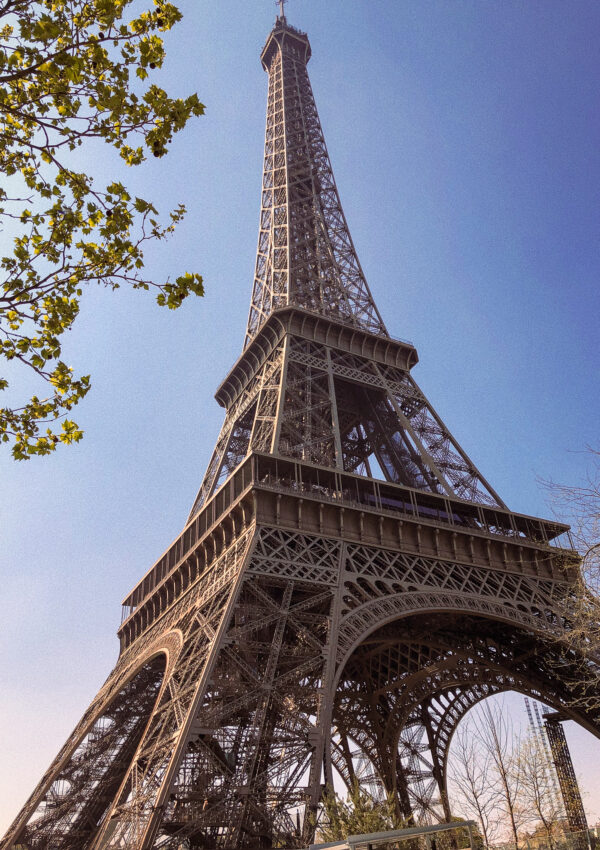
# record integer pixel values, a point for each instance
(347, 586)
(306, 399)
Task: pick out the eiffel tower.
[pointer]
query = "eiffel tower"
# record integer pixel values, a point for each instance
(346, 587)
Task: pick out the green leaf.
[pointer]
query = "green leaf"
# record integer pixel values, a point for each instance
(78, 66)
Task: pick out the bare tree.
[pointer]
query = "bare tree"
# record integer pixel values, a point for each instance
(581, 505)
(499, 742)
(473, 786)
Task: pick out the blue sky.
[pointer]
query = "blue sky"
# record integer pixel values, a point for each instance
(464, 136)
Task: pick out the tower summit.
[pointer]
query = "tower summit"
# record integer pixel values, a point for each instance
(347, 584)
(305, 253)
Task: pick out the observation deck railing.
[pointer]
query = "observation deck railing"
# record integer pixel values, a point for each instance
(299, 478)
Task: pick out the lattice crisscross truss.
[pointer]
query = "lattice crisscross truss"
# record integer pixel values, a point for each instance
(305, 253)
(347, 586)
(349, 407)
(313, 402)
(288, 658)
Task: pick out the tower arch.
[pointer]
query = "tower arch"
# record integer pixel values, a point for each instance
(72, 798)
(402, 690)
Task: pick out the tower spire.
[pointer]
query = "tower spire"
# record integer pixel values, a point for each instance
(281, 4)
(305, 252)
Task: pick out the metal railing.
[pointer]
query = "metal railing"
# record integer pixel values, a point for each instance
(395, 839)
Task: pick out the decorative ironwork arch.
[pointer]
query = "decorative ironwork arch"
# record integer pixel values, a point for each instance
(94, 759)
(373, 614)
(401, 692)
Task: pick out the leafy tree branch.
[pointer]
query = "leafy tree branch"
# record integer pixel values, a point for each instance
(358, 814)
(73, 71)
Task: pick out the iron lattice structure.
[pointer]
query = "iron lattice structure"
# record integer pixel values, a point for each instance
(347, 585)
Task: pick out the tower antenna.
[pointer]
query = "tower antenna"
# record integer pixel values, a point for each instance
(281, 4)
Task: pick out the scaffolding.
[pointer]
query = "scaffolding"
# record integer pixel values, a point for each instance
(540, 738)
(566, 774)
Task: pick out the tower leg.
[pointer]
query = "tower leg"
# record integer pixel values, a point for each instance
(236, 747)
(74, 793)
(144, 796)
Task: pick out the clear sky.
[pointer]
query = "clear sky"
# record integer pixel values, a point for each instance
(465, 140)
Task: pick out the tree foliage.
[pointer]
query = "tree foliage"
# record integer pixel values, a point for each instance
(581, 503)
(72, 73)
(358, 814)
